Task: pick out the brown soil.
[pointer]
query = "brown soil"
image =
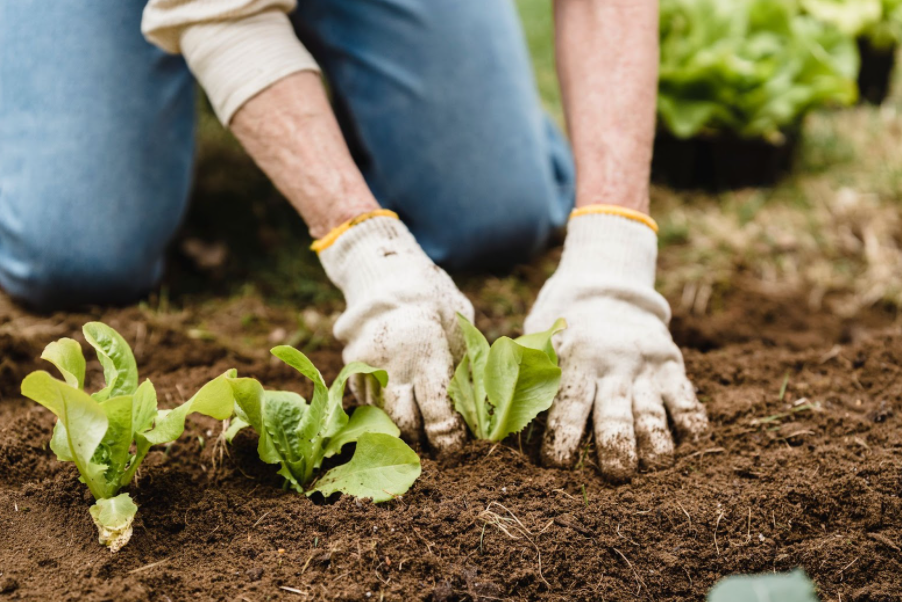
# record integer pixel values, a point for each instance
(776, 484)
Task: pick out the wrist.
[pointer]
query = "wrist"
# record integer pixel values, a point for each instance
(325, 218)
(593, 195)
(363, 256)
(610, 247)
(618, 211)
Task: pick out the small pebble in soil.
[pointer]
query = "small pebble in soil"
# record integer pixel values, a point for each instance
(369, 594)
(254, 574)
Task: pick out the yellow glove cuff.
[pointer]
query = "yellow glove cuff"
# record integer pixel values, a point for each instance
(329, 239)
(636, 216)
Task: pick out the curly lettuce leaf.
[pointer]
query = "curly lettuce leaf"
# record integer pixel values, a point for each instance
(748, 68)
(119, 368)
(382, 468)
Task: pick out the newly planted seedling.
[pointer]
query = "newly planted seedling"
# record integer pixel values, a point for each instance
(299, 436)
(107, 434)
(500, 389)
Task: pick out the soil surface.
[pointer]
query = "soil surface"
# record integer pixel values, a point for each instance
(811, 478)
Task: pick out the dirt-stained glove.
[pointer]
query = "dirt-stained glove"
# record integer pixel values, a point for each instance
(401, 317)
(618, 359)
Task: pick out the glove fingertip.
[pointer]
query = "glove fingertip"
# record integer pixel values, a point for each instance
(690, 423)
(447, 436)
(618, 469)
(560, 444)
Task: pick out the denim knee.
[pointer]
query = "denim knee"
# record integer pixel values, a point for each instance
(56, 274)
(96, 149)
(507, 221)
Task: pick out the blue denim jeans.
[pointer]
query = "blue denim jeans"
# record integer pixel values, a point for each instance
(435, 97)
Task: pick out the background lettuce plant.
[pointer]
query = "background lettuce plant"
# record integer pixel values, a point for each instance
(749, 68)
(879, 21)
(299, 436)
(107, 434)
(500, 389)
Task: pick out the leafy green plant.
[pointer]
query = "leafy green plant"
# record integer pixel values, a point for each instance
(852, 17)
(500, 389)
(107, 434)
(880, 21)
(886, 33)
(299, 436)
(749, 68)
(785, 587)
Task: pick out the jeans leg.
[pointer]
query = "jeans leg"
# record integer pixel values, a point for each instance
(96, 150)
(438, 102)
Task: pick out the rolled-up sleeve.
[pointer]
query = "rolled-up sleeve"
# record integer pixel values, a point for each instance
(235, 48)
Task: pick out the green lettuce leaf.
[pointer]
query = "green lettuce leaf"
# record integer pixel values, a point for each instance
(119, 368)
(382, 468)
(365, 419)
(83, 426)
(500, 389)
(144, 412)
(282, 415)
(520, 383)
(214, 399)
(66, 355)
(749, 68)
(321, 411)
(467, 387)
(541, 341)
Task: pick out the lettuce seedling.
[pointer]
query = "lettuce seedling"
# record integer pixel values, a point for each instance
(107, 434)
(299, 436)
(500, 389)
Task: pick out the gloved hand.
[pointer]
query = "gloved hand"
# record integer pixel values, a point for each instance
(618, 359)
(401, 317)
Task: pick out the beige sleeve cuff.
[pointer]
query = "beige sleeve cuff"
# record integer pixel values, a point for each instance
(236, 60)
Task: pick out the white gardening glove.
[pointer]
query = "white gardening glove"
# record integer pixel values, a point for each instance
(401, 317)
(618, 359)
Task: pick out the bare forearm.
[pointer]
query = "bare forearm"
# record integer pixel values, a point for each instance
(290, 131)
(607, 59)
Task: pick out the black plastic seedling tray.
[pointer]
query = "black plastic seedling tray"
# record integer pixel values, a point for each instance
(721, 162)
(876, 74)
